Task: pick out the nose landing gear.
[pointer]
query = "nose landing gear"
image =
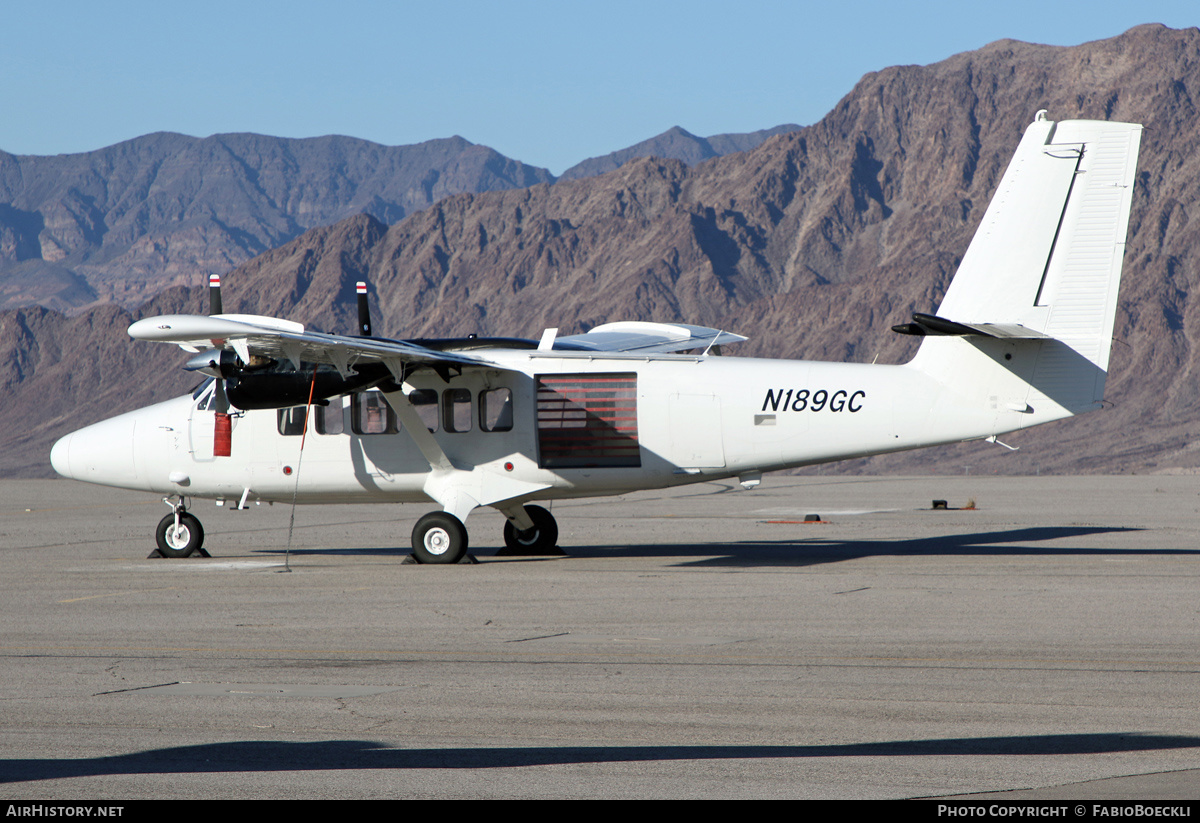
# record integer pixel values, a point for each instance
(179, 534)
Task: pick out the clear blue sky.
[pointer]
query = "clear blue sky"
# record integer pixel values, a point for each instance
(549, 83)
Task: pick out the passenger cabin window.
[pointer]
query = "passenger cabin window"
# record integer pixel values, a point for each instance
(291, 421)
(495, 410)
(331, 419)
(450, 410)
(456, 410)
(425, 401)
(371, 414)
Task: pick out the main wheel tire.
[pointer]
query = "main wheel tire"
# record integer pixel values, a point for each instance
(181, 543)
(539, 540)
(439, 537)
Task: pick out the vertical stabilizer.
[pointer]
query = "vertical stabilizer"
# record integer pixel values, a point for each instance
(1043, 270)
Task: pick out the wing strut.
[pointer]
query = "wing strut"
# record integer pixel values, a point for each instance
(456, 489)
(412, 423)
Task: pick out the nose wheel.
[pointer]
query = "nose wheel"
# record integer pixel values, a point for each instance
(179, 539)
(179, 534)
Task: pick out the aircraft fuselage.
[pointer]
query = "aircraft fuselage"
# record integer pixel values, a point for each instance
(576, 426)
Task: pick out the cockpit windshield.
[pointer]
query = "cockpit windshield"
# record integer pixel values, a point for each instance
(204, 390)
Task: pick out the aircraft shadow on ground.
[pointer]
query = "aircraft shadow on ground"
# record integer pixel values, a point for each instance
(366, 551)
(808, 551)
(279, 756)
(814, 550)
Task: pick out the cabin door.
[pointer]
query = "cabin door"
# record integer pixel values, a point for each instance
(696, 441)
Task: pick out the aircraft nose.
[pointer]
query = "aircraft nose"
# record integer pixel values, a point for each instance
(60, 456)
(102, 453)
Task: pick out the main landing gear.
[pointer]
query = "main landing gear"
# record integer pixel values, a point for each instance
(441, 538)
(179, 534)
(541, 539)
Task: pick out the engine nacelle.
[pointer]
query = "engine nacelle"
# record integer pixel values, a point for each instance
(270, 389)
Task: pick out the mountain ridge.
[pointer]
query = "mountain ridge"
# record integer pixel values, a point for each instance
(168, 209)
(676, 143)
(124, 221)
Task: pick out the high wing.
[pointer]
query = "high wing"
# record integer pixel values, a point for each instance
(285, 340)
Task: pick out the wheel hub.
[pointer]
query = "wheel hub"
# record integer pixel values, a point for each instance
(437, 541)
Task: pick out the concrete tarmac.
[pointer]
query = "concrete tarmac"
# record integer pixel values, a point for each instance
(702, 642)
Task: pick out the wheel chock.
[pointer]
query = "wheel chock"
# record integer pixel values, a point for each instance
(157, 555)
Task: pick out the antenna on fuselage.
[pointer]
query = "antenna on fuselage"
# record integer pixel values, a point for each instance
(364, 310)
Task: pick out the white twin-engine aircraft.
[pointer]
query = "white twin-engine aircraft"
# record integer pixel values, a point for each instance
(1021, 338)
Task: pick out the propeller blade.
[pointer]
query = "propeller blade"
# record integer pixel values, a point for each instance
(364, 311)
(214, 294)
(220, 396)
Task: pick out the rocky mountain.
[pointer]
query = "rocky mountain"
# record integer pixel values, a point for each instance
(675, 144)
(123, 222)
(813, 244)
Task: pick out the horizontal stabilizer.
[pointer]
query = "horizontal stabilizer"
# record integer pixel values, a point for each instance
(928, 324)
